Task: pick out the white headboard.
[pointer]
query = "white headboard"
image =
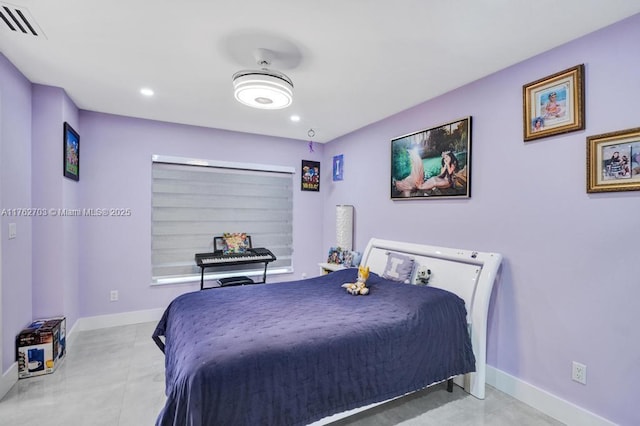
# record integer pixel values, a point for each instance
(469, 274)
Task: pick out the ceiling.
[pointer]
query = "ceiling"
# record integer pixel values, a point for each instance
(352, 62)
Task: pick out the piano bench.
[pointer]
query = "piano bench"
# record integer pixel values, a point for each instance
(229, 281)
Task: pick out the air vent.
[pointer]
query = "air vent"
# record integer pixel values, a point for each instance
(19, 20)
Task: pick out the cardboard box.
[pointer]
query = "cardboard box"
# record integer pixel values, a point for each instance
(41, 347)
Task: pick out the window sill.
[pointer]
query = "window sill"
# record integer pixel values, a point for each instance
(159, 281)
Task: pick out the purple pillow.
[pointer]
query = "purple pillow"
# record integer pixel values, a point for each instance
(399, 268)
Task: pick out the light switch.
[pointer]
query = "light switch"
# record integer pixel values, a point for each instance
(12, 231)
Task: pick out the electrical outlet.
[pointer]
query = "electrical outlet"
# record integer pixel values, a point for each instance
(114, 296)
(579, 373)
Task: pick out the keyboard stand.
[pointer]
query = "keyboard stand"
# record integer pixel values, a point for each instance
(204, 266)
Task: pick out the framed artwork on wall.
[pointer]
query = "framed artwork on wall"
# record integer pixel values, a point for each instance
(71, 152)
(613, 161)
(554, 104)
(338, 167)
(432, 163)
(310, 178)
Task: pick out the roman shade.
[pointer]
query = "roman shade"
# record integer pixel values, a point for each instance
(195, 200)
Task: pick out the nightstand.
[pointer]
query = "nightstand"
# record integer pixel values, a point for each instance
(325, 268)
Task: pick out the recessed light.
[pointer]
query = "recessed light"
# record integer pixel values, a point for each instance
(295, 118)
(146, 91)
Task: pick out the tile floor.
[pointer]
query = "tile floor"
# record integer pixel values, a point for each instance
(115, 377)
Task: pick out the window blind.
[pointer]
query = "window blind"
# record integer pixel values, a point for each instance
(195, 200)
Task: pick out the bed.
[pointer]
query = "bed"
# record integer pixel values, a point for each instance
(296, 352)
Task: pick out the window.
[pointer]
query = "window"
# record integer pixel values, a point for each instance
(196, 200)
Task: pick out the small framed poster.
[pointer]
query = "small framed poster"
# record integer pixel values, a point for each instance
(338, 167)
(71, 152)
(310, 178)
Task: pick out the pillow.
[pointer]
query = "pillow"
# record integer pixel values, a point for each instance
(399, 268)
(235, 242)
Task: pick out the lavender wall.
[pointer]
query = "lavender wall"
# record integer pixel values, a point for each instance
(55, 276)
(15, 170)
(568, 290)
(116, 173)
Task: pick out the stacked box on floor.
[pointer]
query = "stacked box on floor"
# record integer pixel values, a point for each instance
(41, 347)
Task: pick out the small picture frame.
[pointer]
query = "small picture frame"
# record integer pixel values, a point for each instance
(613, 161)
(432, 164)
(335, 256)
(554, 105)
(71, 152)
(310, 176)
(338, 167)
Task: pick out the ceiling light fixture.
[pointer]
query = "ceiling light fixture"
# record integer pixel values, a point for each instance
(146, 91)
(263, 89)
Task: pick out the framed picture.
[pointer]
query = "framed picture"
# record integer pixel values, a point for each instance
(554, 104)
(71, 152)
(335, 255)
(338, 167)
(432, 163)
(613, 161)
(310, 178)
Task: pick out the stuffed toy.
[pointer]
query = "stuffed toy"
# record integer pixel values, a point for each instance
(359, 287)
(423, 276)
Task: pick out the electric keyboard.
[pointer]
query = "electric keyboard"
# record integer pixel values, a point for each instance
(250, 256)
(219, 259)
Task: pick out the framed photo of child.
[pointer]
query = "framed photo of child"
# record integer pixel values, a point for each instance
(613, 161)
(554, 105)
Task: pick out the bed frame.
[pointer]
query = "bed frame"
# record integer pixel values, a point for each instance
(469, 274)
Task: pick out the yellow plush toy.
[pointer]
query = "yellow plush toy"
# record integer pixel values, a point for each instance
(359, 287)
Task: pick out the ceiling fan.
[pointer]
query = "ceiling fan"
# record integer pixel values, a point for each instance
(263, 88)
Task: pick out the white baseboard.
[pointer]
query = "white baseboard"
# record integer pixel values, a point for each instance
(8, 379)
(553, 406)
(113, 320)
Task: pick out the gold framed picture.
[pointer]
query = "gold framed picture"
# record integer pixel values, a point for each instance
(613, 161)
(554, 104)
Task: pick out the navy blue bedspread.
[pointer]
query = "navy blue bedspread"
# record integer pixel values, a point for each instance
(294, 352)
